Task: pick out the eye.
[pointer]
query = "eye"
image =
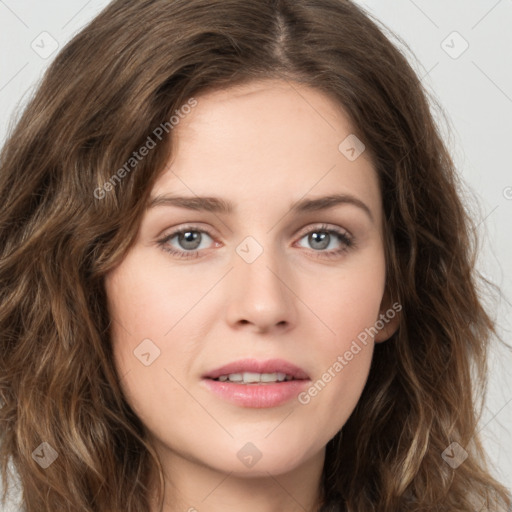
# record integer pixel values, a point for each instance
(321, 237)
(189, 240)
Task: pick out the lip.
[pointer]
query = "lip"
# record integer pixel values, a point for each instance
(255, 366)
(257, 395)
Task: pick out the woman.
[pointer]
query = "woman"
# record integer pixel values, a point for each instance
(263, 368)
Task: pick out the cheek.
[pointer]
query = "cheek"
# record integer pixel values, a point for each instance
(348, 308)
(150, 299)
(339, 378)
(139, 302)
(148, 318)
(348, 301)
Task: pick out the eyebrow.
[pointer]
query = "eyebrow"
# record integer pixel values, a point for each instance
(219, 205)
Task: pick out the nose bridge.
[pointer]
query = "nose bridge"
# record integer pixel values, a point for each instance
(260, 293)
(259, 264)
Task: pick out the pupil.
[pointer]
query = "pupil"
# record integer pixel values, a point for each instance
(324, 239)
(190, 237)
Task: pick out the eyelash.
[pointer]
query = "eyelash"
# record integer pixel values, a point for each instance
(344, 238)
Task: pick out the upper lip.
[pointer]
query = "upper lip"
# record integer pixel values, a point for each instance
(255, 366)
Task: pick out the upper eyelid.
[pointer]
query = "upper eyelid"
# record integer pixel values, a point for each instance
(322, 226)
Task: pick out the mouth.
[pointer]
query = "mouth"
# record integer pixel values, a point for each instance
(255, 378)
(257, 384)
(250, 371)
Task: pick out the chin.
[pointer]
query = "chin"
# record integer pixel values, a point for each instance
(259, 458)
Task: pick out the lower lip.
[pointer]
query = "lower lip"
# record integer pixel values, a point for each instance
(257, 395)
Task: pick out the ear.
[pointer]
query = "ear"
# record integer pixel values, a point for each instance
(389, 318)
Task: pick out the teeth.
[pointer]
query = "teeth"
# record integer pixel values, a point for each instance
(250, 377)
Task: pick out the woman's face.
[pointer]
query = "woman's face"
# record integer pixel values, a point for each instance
(284, 283)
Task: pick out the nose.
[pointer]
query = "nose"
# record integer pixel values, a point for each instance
(260, 294)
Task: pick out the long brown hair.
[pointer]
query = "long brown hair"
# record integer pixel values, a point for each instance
(69, 214)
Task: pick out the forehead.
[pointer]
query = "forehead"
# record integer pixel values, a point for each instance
(266, 140)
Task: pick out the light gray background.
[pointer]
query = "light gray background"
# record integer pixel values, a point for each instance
(474, 87)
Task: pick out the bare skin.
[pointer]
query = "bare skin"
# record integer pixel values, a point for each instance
(263, 147)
